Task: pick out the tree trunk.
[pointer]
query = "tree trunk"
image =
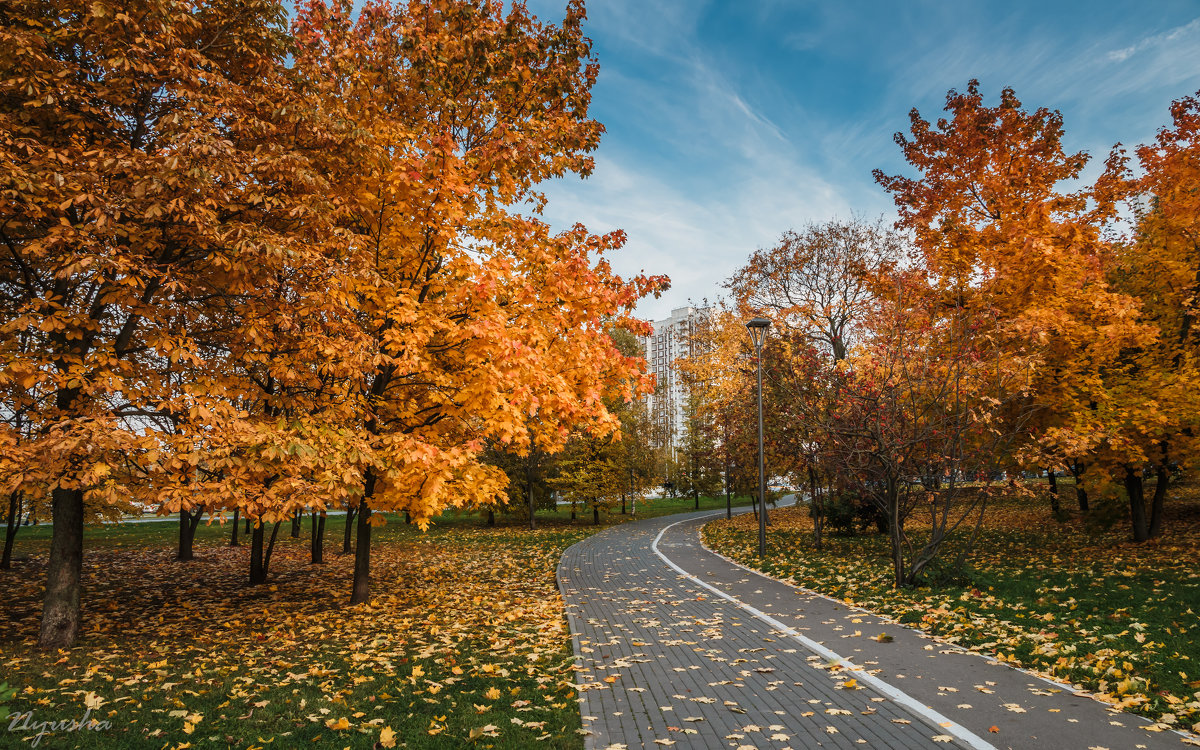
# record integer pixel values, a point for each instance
(816, 507)
(1080, 492)
(491, 517)
(248, 526)
(622, 503)
(233, 540)
(188, 522)
(1137, 505)
(532, 502)
(408, 518)
(296, 523)
(1055, 507)
(350, 513)
(728, 495)
(361, 592)
(595, 515)
(10, 531)
(60, 608)
(892, 501)
(1160, 495)
(184, 550)
(258, 571)
(697, 496)
(318, 538)
(266, 566)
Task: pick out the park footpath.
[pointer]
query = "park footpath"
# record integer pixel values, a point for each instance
(678, 646)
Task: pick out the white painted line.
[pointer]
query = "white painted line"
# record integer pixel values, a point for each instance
(957, 648)
(898, 696)
(1062, 686)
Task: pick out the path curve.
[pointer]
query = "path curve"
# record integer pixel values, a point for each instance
(678, 646)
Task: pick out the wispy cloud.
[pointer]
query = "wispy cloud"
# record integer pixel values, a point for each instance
(1176, 34)
(729, 123)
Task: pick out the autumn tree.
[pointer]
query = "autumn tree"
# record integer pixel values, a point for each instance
(929, 403)
(999, 237)
(482, 324)
(816, 285)
(634, 454)
(719, 374)
(698, 471)
(150, 172)
(1149, 418)
(529, 489)
(817, 281)
(588, 473)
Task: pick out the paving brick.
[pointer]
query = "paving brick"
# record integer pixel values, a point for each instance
(676, 651)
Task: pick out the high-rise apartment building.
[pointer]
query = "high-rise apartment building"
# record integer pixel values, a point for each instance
(672, 339)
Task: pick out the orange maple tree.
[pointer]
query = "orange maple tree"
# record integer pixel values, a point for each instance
(1149, 417)
(149, 172)
(1000, 239)
(476, 322)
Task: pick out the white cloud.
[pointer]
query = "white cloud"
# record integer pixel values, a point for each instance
(711, 153)
(694, 172)
(1156, 40)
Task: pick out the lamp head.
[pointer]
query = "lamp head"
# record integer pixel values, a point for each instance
(758, 331)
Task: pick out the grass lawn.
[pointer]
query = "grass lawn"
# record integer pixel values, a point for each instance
(1082, 605)
(464, 643)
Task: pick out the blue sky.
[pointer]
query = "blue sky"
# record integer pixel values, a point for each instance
(729, 122)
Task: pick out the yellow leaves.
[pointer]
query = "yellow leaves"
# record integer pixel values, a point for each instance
(1126, 686)
(488, 730)
(387, 738)
(339, 724)
(491, 694)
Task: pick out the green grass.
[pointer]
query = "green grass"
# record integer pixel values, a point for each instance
(271, 666)
(33, 540)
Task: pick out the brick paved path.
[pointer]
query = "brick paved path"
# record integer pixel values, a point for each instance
(679, 646)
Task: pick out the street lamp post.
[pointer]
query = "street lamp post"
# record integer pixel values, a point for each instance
(758, 334)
